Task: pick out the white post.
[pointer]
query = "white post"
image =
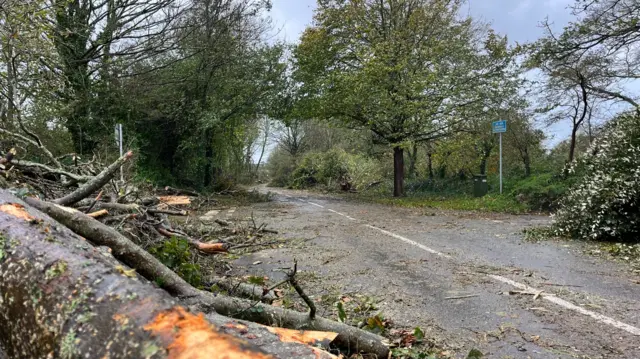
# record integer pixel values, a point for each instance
(121, 154)
(500, 162)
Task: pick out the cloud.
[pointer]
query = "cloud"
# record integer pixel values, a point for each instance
(522, 8)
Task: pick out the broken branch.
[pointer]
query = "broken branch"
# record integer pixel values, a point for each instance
(209, 248)
(71, 287)
(38, 145)
(94, 184)
(294, 283)
(128, 252)
(100, 213)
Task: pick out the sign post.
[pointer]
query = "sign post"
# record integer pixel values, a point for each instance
(119, 142)
(500, 127)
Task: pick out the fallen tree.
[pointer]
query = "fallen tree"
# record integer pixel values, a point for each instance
(150, 217)
(349, 337)
(61, 297)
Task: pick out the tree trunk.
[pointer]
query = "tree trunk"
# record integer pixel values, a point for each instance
(413, 158)
(398, 172)
(430, 164)
(485, 157)
(264, 146)
(572, 145)
(208, 158)
(527, 164)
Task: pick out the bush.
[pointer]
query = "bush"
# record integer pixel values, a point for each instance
(603, 204)
(541, 192)
(175, 253)
(279, 167)
(335, 168)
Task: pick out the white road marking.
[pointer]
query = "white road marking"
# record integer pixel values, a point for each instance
(341, 214)
(407, 240)
(551, 298)
(315, 204)
(563, 303)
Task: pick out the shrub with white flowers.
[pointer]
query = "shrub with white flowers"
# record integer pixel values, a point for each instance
(603, 204)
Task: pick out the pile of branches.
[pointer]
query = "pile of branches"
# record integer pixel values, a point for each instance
(93, 206)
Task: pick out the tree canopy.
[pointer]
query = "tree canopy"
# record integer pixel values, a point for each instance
(406, 70)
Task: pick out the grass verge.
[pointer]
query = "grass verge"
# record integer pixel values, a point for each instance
(490, 203)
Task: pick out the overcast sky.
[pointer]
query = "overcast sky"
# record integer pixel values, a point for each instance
(518, 19)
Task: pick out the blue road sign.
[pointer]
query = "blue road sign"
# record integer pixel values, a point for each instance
(499, 126)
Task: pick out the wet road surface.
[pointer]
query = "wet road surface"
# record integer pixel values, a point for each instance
(468, 278)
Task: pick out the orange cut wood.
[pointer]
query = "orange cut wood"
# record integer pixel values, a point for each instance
(100, 213)
(175, 200)
(16, 210)
(190, 336)
(308, 337)
(212, 247)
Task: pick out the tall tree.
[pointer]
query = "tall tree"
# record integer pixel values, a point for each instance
(89, 35)
(408, 70)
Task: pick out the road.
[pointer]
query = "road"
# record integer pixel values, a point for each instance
(468, 278)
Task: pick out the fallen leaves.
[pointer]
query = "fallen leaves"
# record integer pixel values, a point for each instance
(131, 273)
(404, 338)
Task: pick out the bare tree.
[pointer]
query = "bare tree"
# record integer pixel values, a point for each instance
(292, 137)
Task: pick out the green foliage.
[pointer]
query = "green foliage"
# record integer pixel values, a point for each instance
(627, 252)
(280, 166)
(335, 168)
(257, 280)
(603, 204)
(538, 234)
(389, 76)
(175, 253)
(342, 315)
(541, 192)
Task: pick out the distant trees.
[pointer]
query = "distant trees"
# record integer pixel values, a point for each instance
(409, 71)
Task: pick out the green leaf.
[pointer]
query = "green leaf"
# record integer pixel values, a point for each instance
(418, 333)
(342, 315)
(474, 354)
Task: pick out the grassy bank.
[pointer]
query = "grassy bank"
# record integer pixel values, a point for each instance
(490, 203)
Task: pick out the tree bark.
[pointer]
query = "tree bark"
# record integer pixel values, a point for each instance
(398, 172)
(208, 158)
(572, 145)
(62, 298)
(413, 158)
(430, 164)
(264, 145)
(578, 122)
(527, 163)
